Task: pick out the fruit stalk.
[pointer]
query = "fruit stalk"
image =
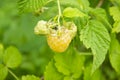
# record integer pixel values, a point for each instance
(59, 12)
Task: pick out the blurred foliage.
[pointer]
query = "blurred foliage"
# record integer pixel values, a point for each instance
(17, 30)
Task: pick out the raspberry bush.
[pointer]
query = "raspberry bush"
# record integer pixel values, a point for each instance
(60, 40)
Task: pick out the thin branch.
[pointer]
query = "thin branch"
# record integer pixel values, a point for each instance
(100, 3)
(13, 74)
(42, 78)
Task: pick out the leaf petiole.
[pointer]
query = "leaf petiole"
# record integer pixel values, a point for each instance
(13, 74)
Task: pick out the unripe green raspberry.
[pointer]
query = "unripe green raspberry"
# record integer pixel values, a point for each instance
(41, 28)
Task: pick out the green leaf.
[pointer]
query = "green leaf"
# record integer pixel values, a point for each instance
(95, 36)
(51, 72)
(116, 27)
(70, 63)
(85, 3)
(67, 78)
(82, 4)
(96, 76)
(32, 5)
(80, 23)
(73, 3)
(3, 72)
(30, 77)
(115, 12)
(73, 12)
(116, 2)
(1, 51)
(114, 54)
(101, 16)
(12, 57)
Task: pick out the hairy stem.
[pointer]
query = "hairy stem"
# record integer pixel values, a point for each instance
(13, 74)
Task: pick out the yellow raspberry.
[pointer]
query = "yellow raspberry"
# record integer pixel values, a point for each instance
(59, 43)
(60, 40)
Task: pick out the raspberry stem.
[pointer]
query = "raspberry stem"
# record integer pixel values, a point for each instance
(59, 13)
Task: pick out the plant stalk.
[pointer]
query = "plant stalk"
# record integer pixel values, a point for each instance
(59, 12)
(100, 3)
(13, 74)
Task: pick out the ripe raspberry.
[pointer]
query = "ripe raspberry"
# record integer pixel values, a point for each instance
(60, 40)
(59, 43)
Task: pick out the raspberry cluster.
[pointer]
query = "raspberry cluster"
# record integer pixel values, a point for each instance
(58, 37)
